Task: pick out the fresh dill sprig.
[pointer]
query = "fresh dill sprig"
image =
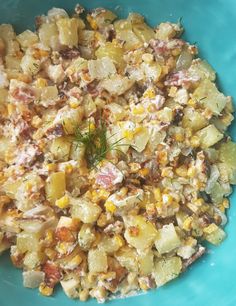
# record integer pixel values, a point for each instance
(96, 143)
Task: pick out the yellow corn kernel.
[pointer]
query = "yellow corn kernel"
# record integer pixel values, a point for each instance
(192, 102)
(167, 198)
(147, 57)
(195, 141)
(123, 191)
(92, 22)
(187, 225)
(172, 91)
(149, 93)
(144, 172)
(157, 194)
(103, 220)
(41, 82)
(199, 202)
(50, 253)
(62, 247)
(110, 206)
(179, 137)
(138, 129)
(143, 285)
(74, 103)
(51, 167)
(128, 134)
(92, 126)
(10, 109)
(36, 121)
(138, 110)
(191, 241)
(68, 168)
(182, 171)
(63, 202)
(101, 194)
(222, 208)
(167, 172)
(45, 290)
(191, 172)
(119, 240)
(28, 186)
(134, 167)
(75, 261)
(49, 236)
(176, 52)
(210, 228)
(83, 295)
(225, 203)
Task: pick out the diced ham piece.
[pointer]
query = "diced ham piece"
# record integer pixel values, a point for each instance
(180, 78)
(23, 94)
(109, 175)
(52, 274)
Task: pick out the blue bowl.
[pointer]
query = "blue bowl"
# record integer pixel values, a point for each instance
(211, 23)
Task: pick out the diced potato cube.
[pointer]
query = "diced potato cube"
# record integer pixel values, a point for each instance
(27, 242)
(70, 287)
(127, 257)
(146, 263)
(77, 152)
(30, 65)
(132, 41)
(32, 279)
(110, 244)
(166, 270)
(208, 94)
(209, 136)
(70, 118)
(152, 71)
(49, 94)
(27, 39)
(113, 51)
(143, 32)
(65, 222)
(68, 31)
(60, 148)
(168, 239)
(97, 261)
(13, 62)
(86, 211)
(228, 154)
(139, 232)
(216, 236)
(86, 236)
(55, 186)
(165, 115)
(193, 119)
(32, 259)
(101, 68)
(48, 34)
(117, 84)
(202, 69)
(140, 140)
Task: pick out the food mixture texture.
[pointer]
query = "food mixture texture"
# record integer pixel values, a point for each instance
(115, 162)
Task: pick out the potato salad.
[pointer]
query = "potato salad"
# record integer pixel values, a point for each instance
(115, 161)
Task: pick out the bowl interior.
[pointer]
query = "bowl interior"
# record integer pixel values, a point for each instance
(211, 24)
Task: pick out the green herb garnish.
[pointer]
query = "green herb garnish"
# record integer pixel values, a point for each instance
(96, 144)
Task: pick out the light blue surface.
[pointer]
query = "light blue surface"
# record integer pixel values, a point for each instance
(212, 24)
